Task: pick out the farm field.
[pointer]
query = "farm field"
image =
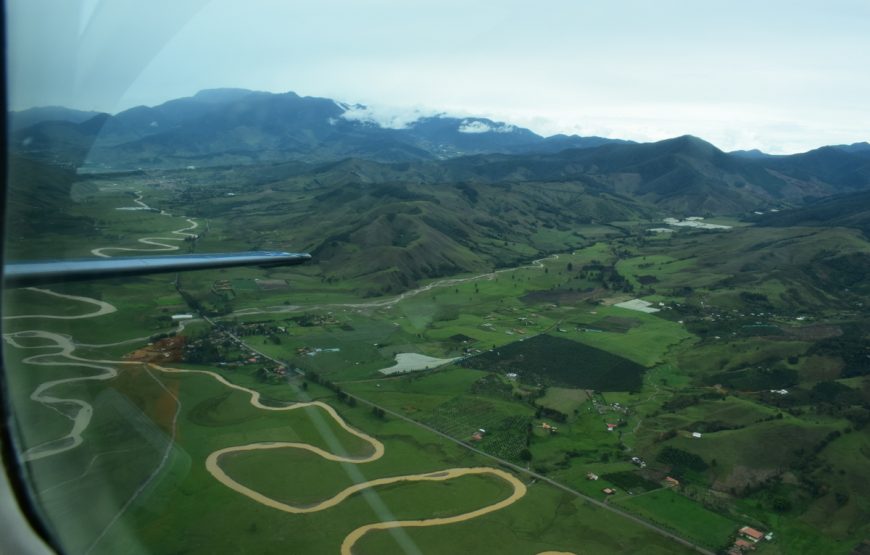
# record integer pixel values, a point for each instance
(211, 417)
(564, 400)
(547, 374)
(674, 510)
(550, 359)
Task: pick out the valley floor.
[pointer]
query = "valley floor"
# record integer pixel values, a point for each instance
(617, 430)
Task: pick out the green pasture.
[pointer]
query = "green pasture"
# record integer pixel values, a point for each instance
(187, 505)
(122, 447)
(745, 454)
(647, 344)
(514, 311)
(140, 302)
(544, 520)
(564, 400)
(687, 518)
(312, 479)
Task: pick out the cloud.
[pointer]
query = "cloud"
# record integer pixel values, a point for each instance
(387, 117)
(478, 126)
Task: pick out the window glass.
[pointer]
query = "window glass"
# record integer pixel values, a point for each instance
(584, 277)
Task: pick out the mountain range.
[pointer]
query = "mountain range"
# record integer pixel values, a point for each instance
(233, 127)
(32, 116)
(436, 197)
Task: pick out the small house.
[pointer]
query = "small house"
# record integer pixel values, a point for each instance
(609, 491)
(751, 534)
(671, 482)
(591, 476)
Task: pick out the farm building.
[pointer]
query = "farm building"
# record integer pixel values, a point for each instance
(751, 534)
(609, 491)
(591, 476)
(611, 427)
(696, 435)
(671, 482)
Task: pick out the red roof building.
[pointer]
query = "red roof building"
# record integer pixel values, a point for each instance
(751, 533)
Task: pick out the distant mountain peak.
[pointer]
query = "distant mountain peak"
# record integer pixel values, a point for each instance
(751, 153)
(478, 125)
(32, 116)
(221, 95)
(863, 146)
(692, 139)
(690, 143)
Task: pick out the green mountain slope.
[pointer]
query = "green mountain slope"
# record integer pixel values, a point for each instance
(363, 220)
(852, 210)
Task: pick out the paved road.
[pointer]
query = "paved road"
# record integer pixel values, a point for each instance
(384, 303)
(503, 462)
(542, 478)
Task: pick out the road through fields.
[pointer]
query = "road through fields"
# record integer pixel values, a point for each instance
(62, 348)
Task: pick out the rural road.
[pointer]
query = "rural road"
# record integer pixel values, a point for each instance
(541, 477)
(63, 355)
(213, 466)
(507, 464)
(384, 303)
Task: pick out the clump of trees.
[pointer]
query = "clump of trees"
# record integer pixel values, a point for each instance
(343, 396)
(681, 460)
(547, 412)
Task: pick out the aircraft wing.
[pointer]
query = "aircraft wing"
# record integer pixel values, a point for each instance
(25, 274)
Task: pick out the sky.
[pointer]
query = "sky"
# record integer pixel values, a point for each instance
(780, 76)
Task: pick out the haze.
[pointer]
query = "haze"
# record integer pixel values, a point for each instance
(779, 76)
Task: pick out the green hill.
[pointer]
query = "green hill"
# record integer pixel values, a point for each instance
(852, 210)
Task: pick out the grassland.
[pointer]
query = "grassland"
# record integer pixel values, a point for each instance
(564, 400)
(187, 505)
(683, 515)
(741, 314)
